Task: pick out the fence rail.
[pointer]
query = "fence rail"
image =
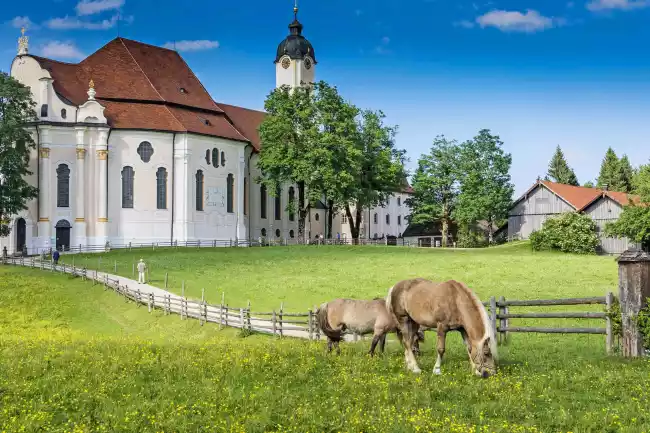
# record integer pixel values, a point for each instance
(304, 325)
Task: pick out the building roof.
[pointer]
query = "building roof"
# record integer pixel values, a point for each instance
(147, 87)
(428, 229)
(579, 197)
(296, 46)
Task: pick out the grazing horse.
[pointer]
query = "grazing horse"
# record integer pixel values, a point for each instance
(446, 306)
(361, 317)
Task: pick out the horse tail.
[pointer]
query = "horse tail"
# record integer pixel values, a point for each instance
(324, 324)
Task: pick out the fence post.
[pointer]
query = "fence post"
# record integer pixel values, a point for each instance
(147, 281)
(223, 296)
(202, 304)
(311, 324)
(502, 322)
(241, 319)
(633, 289)
(248, 315)
(274, 323)
(281, 308)
(609, 300)
(149, 301)
(493, 313)
(316, 324)
(183, 300)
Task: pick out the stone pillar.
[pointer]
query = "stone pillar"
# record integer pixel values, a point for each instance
(44, 207)
(634, 290)
(241, 173)
(80, 197)
(102, 186)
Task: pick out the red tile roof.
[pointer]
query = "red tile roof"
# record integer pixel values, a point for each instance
(579, 197)
(147, 87)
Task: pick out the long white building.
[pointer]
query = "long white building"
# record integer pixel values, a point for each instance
(132, 148)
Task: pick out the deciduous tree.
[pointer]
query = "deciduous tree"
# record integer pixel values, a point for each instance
(435, 185)
(559, 170)
(16, 112)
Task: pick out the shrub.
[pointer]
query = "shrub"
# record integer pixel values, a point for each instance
(468, 238)
(569, 232)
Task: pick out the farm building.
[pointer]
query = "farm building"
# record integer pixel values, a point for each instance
(546, 199)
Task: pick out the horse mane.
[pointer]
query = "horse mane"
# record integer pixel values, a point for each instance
(489, 330)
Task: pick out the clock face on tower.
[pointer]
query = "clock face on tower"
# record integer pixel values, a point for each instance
(307, 63)
(286, 63)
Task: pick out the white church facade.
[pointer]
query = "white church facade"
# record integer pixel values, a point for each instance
(132, 148)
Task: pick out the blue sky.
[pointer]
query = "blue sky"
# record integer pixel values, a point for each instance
(537, 73)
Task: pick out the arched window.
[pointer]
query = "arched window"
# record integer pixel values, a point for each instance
(215, 157)
(230, 184)
(44, 110)
(399, 220)
(263, 201)
(207, 156)
(161, 188)
(223, 158)
(245, 196)
(64, 113)
(388, 219)
(291, 234)
(292, 199)
(399, 201)
(199, 190)
(277, 233)
(375, 219)
(127, 187)
(62, 186)
(278, 203)
(145, 150)
(316, 217)
(263, 232)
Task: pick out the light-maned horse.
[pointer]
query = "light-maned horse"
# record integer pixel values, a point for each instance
(361, 317)
(446, 306)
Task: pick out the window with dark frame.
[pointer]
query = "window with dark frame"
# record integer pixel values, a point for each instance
(63, 186)
(263, 201)
(399, 220)
(375, 219)
(388, 219)
(278, 203)
(64, 113)
(161, 188)
(215, 157)
(230, 181)
(145, 150)
(291, 234)
(207, 156)
(127, 187)
(245, 196)
(44, 110)
(223, 158)
(199, 190)
(292, 199)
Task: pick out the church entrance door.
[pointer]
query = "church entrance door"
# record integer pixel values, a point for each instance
(63, 235)
(21, 234)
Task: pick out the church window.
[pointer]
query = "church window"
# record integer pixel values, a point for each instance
(199, 190)
(207, 156)
(388, 219)
(229, 193)
(399, 201)
(263, 201)
(245, 196)
(161, 188)
(316, 217)
(375, 219)
(292, 199)
(62, 186)
(145, 150)
(399, 220)
(277, 233)
(64, 113)
(278, 203)
(223, 158)
(263, 232)
(127, 187)
(44, 110)
(291, 234)
(344, 219)
(215, 157)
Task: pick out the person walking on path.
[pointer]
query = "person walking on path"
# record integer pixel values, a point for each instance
(55, 257)
(141, 268)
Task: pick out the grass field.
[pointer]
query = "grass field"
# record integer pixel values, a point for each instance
(76, 358)
(301, 277)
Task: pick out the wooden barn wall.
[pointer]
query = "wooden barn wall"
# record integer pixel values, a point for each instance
(531, 212)
(603, 211)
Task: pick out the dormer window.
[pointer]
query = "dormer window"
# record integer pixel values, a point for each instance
(182, 90)
(205, 121)
(44, 110)
(64, 113)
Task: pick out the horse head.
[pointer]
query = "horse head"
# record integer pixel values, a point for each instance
(484, 362)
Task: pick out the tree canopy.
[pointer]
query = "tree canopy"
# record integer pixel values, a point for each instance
(617, 174)
(16, 112)
(559, 170)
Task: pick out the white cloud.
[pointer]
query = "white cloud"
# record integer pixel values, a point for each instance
(465, 24)
(600, 5)
(19, 22)
(61, 50)
(91, 7)
(514, 21)
(383, 47)
(69, 23)
(198, 45)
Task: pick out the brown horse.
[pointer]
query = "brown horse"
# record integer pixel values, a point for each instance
(361, 317)
(447, 306)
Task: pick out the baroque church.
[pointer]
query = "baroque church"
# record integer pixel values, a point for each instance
(132, 148)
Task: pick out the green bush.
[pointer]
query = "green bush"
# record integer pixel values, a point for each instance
(569, 232)
(468, 238)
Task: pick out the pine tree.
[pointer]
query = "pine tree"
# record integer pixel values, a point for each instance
(610, 172)
(559, 170)
(626, 173)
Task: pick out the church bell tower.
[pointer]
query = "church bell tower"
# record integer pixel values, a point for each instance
(295, 60)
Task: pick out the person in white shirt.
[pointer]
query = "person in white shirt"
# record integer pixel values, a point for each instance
(142, 267)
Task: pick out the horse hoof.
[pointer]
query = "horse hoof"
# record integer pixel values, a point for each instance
(437, 371)
(416, 370)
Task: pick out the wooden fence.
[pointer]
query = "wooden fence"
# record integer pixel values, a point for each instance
(304, 325)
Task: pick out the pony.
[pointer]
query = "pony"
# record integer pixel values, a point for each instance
(445, 306)
(361, 317)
